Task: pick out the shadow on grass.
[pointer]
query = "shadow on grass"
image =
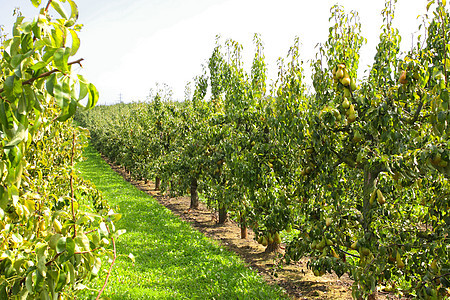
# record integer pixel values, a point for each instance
(173, 261)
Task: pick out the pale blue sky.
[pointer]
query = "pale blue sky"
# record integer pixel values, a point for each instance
(129, 45)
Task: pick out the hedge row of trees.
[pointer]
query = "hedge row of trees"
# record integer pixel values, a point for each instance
(359, 169)
(54, 227)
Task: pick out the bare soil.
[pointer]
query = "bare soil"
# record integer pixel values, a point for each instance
(298, 281)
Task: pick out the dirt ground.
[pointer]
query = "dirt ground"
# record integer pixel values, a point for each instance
(298, 281)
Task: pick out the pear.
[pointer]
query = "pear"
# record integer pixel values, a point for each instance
(270, 239)
(345, 81)
(351, 118)
(333, 253)
(57, 225)
(365, 251)
(277, 238)
(372, 196)
(347, 93)
(321, 245)
(264, 241)
(443, 164)
(41, 225)
(357, 137)
(339, 74)
(437, 159)
(328, 221)
(380, 197)
(400, 263)
(345, 103)
(402, 78)
(353, 84)
(351, 115)
(433, 265)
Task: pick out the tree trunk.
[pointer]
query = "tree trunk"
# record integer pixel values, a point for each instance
(243, 231)
(194, 194)
(272, 247)
(373, 296)
(222, 214)
(370, 185)
(243, 226)
(370, 182)
(157, 183)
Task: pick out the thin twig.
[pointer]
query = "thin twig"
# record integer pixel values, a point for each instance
(110, 267)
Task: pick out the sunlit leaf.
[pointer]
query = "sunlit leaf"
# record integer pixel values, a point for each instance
(60, 9)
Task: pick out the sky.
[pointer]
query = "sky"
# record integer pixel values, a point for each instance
(129, 46)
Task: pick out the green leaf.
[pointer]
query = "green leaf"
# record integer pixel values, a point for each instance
(70, 246)
(15, 45)
(74, 9)
(21, 135)
(50, 84)
(29, 282)
(36, 3)
(13, 87)
(54, 240)
(3, 198)
(75, 42)
(27, 43)
(61, 245)
(61, 57)
(60, 9)
(6, 117)
(62, 94)
(62, 279)
(3, 293)
(17, 25)
(96, 266)
(73, 14)
(93, 96)
(103, 229)
(82, 241)
(83, 83)
(70, 271)
(40, 279)
(68, 111)
(16, 60)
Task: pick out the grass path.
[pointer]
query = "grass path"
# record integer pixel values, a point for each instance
(173, 261)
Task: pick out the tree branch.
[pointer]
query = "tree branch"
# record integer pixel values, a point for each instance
(30, 81)
(48, 5)
(348, 253)
(72, 196)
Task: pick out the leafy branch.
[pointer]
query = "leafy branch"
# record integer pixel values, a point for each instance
(46, 74)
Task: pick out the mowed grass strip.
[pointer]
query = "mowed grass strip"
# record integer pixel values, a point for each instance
(173, 261)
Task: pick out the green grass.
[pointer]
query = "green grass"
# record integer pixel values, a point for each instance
(173, 261)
